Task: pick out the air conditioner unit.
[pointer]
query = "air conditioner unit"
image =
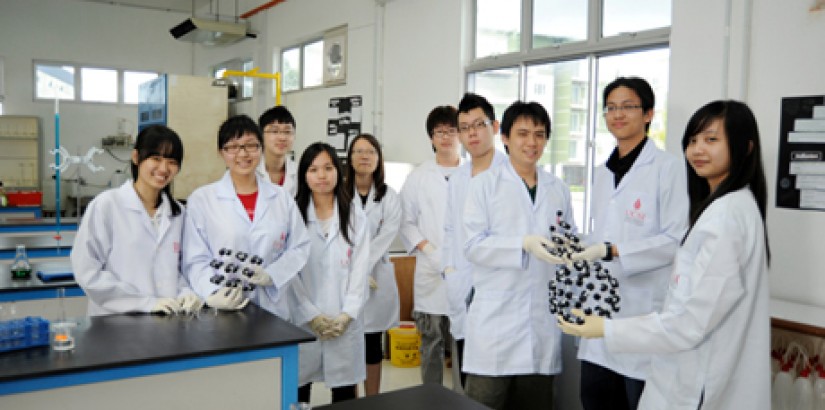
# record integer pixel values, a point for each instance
(210, 32)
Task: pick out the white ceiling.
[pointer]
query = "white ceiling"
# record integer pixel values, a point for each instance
(202, 7)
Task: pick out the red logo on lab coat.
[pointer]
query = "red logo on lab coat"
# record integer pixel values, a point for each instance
(635, 215)
(176, 247)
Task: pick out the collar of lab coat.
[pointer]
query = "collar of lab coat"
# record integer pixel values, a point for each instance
(133, 203)
(544, 181)
(645, 158)
(267, 192)
(356, 199)
(314, 225)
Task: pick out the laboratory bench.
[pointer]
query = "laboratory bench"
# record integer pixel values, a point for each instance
(32, 211)
(425, 396)
(34, 288)
(130, 346)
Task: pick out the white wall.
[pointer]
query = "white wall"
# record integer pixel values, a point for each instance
(774, 51)
(420, 67)
(82, 32)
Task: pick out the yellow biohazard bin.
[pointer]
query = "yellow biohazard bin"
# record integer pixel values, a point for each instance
(404, 344)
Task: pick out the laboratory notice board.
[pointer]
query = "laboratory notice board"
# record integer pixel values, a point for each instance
(800, 179)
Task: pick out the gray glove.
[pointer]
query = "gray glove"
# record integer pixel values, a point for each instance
(538, 245)
(189, 303)
(227, 299)
(166, 306)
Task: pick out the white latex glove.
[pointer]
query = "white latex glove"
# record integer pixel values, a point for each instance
(538, 245)
(167, 306)
(373, 283)
(190, 303)
(260, 277)
(321, 325)
(227, 299)
(340, 324)
(591, 253)
(593, 326)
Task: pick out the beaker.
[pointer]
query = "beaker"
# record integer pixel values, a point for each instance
(62, 338)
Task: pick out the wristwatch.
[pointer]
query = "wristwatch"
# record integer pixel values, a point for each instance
(609, 254)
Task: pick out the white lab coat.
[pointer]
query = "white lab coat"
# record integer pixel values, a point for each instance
(424, 199)
(459, 282)
(122, 263)
(334, 281)
(216, 219)
(381, 311)
(713, 333)
(509, 328)
(646, 217)
(290, 179)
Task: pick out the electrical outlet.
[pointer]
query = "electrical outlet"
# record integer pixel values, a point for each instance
(117, 141)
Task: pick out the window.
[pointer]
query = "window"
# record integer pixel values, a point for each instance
(498, 27)
(574, 50)
(76, 82)
(291, 69)
(98, 85)
(313, 64)
(54, 81)
(131, 84)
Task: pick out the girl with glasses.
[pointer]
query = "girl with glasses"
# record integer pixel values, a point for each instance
(244, 213)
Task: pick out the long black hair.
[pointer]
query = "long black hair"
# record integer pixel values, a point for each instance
(377, 175)
(304, 194)
(745, 151)
(159, 140)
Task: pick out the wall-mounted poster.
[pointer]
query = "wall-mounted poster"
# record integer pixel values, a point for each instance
(344, 121)
(800, 174)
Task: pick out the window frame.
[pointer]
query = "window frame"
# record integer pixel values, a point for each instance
(594, 47)
(78, 82)
(237, 64)
(301, 47)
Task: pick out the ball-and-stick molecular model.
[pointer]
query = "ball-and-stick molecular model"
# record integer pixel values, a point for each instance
(233, 269)
(585, 285)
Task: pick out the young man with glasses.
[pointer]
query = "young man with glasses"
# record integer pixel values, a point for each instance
(423, 199)
(477, 128)
(513, 347)
(278, 128)
(639, 216)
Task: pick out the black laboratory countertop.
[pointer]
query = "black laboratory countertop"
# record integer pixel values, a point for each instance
(118, 340)
(424, 396)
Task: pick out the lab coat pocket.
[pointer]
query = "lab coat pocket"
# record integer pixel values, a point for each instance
(501, 328)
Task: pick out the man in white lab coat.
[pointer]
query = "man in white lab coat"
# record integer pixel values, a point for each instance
(278, 128)
(477, 128)
(512, 346)
(424, 199)
(639, 215)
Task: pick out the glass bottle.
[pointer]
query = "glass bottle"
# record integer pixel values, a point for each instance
(21, 269)
(4, 200)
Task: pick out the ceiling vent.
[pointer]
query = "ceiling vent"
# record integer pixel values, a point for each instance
(210, 32)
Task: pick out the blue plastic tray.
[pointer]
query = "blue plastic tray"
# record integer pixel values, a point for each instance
(23, 333)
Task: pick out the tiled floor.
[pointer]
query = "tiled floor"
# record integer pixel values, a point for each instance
(392, 378)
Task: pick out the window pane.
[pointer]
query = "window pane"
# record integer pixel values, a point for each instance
(131, 83)
(98, 84)
(291, 69)
(313, 64)
(54, 81)
(499, 87)
(652, 65)
(562, 88)
(628, 16)
(558, 22)
(246, 87)
(498, 27)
